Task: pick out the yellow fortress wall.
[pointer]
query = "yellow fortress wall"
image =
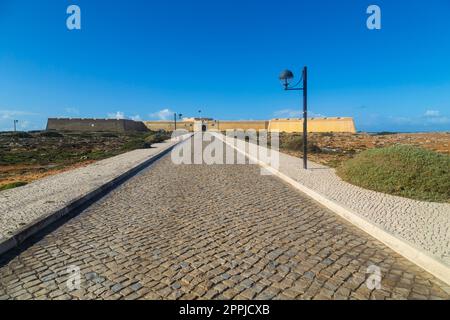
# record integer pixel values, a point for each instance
(223, 125)
(282, 125)
(314, 125)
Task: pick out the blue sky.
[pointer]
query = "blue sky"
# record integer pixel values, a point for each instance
(146, 59)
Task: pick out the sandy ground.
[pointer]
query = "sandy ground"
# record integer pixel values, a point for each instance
(30, 173)
(339, 147)
(335, 148)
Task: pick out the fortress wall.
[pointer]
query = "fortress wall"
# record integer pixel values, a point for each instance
(244, 125)
(169, 125)
(314, 125)
(135, 126)
(215, 125)
(282, 125)
(95, 125)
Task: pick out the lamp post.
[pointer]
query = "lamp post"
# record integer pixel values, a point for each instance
(180, 117)
(175, 120)
(286, 77)
(200, 119)
(15, 125)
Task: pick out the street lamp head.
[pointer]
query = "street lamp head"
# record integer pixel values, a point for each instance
(285, 77)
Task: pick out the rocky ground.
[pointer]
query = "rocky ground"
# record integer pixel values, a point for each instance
(25, 157)
(332, 148)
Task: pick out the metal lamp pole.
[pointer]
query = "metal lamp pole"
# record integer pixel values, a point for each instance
(15, 125)
(286, 77)
(305, 118)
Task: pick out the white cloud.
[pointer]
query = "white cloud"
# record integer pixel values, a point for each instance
(10, 114)
(24, 124)
(439, 120)
(164, 114)
(287, 113)
(316, 115)
(402, 120)
(119, 115)
(432, 113)
(72, 111)
(429, 119)
(435, 117)
(27, 120)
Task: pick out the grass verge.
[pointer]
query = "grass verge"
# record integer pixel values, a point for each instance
(401, 170)
(12, 185)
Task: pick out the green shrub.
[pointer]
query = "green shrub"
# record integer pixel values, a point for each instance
(384, 133)
(87, 135)
(157, 137)
(109, 135)
(295, 143)
(51, 134)
(136, 143)
(18, 134)
(97, 155)
(326, 134)
(12, 185)
(401, 170)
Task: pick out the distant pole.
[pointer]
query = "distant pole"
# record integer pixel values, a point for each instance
(15, 125)
(175, 119)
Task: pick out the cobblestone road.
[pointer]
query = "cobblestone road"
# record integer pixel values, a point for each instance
(210, 232)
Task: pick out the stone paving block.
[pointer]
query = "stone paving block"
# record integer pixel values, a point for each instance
(26, 204)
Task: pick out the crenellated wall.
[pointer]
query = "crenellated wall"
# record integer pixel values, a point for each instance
(223, 125)
(169, 125)
(314, 125)
(95, 125)
(282, 125)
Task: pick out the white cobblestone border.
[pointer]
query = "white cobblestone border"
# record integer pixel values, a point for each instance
(32, 228)
(401, 246)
